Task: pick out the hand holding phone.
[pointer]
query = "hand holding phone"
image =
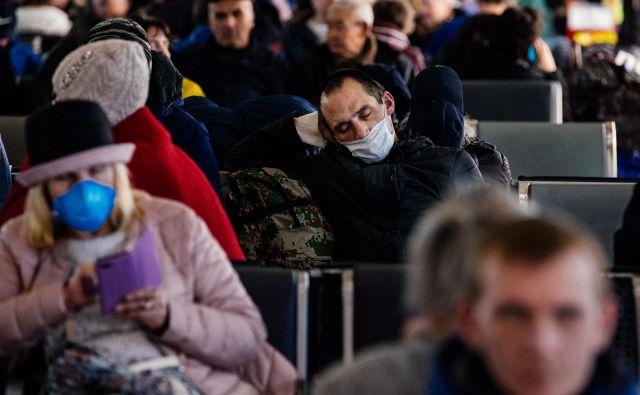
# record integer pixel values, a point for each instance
(125, 273)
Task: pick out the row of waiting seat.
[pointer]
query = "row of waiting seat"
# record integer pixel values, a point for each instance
(324, 316)
(532, 148)
(339, 311)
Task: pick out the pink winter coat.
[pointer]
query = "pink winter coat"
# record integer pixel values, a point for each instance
(213, 321)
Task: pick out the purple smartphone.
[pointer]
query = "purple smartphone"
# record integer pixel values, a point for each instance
(121, 274)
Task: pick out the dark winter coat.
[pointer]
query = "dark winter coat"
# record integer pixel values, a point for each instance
(229, 76)
(298, 41)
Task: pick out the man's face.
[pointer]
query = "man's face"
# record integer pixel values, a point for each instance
(345, 37)
(158, 40)
(434, 12)
(540, 329)
(232, 21)
(350, 112)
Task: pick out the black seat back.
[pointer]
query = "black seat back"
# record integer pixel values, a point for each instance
(532, 101)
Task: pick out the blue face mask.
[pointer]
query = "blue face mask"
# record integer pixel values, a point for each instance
(85, 206)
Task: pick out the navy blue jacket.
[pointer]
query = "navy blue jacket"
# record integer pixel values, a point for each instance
(228, 126)
(229, 76)
(298, 41)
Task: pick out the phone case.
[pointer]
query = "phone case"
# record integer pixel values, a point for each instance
(122, 274)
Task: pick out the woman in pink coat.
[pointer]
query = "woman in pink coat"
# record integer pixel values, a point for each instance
(196, 333)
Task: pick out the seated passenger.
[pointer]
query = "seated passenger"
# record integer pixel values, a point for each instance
(350, 43)
(80, 209)
(534, 316)
(17, 60)
(306, 32)
(369, 181)
(393, 22)
(474, 30)
(115, 74)
(39, 92)
(438, 22)
(513, 50)
(23, 60)
(231, 66)
(159, 37)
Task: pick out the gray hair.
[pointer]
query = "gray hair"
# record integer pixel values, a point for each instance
(361, 10)
(439, 247)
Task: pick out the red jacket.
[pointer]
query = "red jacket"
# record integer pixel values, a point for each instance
(161, 169)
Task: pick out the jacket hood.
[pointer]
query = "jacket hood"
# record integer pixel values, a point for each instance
(165, 85)
(437, 109)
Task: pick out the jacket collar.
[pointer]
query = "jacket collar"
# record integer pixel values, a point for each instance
(457, 370)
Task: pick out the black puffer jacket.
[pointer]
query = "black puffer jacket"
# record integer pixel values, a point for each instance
(371, 208)
(493, 165)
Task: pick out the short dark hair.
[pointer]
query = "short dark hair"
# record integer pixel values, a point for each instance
(147, 21)
(515, 30)
(397, 12)
(368, 84)
(336, 80)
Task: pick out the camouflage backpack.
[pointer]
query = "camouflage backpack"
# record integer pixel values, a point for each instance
(276, 219)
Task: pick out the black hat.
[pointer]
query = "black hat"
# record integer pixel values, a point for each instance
(68, 136)
(121, 29)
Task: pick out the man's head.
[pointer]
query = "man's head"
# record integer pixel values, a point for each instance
(158, 33)
(350, 23)
(355, 111)
(396, 12)
(352, 103)
(439, 248)
(539, 310)
(433, 13)
(515, 31)
(231, 22)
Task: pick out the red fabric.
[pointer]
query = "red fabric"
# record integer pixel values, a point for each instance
(161, 169)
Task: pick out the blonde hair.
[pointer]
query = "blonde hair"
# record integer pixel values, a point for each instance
(42, 229)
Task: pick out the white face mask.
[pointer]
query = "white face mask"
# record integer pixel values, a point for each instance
(375, 146)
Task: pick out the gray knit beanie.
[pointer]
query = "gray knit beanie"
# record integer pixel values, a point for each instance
(112, 73)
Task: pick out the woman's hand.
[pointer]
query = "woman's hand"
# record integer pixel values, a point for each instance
(80, 290)
(148, 306)
(546, 62)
